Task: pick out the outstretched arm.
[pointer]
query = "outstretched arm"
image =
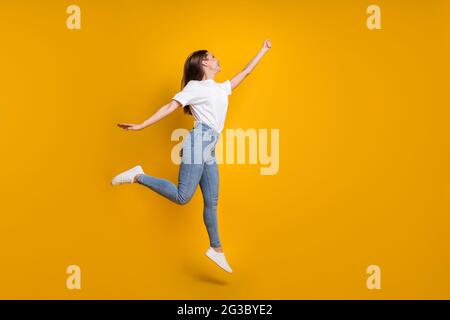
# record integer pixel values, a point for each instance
(158, 115)
(237, 79)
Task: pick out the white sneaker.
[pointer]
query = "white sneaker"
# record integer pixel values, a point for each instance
(127, 176)
(219, 259)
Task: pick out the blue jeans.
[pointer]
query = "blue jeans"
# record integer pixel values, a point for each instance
(198, 166)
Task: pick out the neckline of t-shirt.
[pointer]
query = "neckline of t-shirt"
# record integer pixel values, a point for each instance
(208, 80)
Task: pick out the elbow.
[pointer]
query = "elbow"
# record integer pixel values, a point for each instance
(246, 72)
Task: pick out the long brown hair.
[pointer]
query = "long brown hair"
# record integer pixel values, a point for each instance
(193, 70)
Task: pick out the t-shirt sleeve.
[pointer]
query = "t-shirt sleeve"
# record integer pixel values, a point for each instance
(187, 95)
(227, 85)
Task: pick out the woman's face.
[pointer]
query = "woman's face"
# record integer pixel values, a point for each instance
(212, 62)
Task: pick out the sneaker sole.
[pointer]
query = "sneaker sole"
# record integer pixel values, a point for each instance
(218, 264)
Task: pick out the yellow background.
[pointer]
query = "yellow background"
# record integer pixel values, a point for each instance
(364, 150)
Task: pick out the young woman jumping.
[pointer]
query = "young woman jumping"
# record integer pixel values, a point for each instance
(207, 101)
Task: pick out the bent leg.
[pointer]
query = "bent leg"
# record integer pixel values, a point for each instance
(209, 184)
(188, 178)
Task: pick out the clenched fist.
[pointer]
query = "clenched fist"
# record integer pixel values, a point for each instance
(267, 45)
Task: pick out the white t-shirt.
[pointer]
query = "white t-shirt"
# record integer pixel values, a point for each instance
(209, 101)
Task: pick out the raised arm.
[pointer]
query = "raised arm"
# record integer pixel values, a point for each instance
(237, 79)
(158, 115)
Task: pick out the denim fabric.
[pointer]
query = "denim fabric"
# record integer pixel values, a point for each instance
(198, 166)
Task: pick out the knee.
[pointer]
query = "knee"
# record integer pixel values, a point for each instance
(182, 200)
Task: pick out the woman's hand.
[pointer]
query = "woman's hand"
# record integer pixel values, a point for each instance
(267, 45)
(131, 126)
